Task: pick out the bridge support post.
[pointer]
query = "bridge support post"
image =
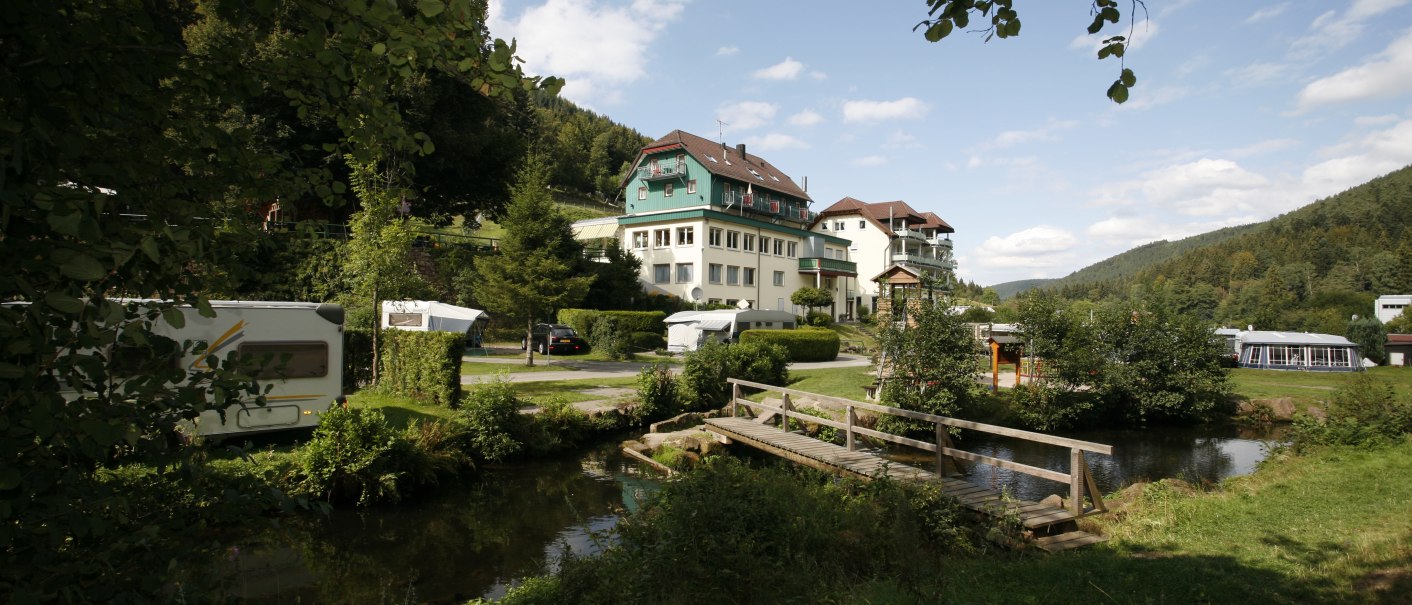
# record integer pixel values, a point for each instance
(784, 412)
(852, 419)
(735, 396)
(1076, 481)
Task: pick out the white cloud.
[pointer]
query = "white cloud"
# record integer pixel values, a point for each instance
(1367, 121)
(1143, 33)
(1259, 72)
(902, 140)
(1261, 148)
(726, 51)
(1125, 231)
(808, 117)
(1384, 76)
(775, 141)
(1010, 138)
(1205, 187)
(746, 115)
(876, 111)
(1331, 31)
(788, 69)
(1037, 247)
(587, 42)
(1375, 154)
(818, 75)
(1269, 12)
(870, 160)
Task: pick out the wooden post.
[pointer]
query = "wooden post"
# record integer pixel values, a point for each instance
(944, 438)
(1098, 504)
(784, 412)
(940, 457)
(994, 365)
(735, 396)
(1076, 481)
(852, 418)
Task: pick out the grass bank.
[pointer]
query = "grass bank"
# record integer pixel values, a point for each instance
(1309, 387)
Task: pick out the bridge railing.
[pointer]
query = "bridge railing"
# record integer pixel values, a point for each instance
(1079, 478)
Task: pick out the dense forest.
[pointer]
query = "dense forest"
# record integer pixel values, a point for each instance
(1311, 269)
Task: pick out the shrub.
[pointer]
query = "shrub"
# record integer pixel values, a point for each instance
(704, 371)
(801, 345)
(1365, 411)
(627, 322)
(491, 411)
(357, 358)
(818, 319)
(352, 454)
(557, 426)
(608, 339)
(646, 341)
(436, 449)
(657, 392)
(422, 365)
(819, 431)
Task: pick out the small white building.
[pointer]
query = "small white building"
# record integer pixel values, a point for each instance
(429, 315)
(1387, 308)
(688, 330)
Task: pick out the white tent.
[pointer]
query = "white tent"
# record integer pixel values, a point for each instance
(687, 330)
(429, 315)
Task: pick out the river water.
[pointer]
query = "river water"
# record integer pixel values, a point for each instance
(510, 522)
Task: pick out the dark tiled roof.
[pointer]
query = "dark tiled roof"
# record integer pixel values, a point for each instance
(879, 212)
(702, 150)
(1399, 339)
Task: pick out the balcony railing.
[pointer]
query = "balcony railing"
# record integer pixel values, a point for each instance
(662, 170)
(828, 265)
(910, 234)
(941, 242)
(924, 261)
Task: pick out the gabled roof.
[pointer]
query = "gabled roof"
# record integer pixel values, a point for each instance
(702, 150)
(878, 212)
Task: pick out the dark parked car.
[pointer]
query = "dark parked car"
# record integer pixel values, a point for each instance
(557, 339)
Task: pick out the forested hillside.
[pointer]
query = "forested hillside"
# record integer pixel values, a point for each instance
(589, 152)
(1011, 288)
(1308, 270)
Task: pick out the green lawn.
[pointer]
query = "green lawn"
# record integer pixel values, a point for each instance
(1318, 529)
(1308, 387)
(838, 382)
(471, 368)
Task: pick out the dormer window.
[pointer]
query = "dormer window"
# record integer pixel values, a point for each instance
(712, 158)
(756, 174)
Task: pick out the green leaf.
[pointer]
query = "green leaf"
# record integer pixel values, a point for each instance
(9, 478)
(431, 8)
(203, 308)
(64, 303)
(83, 267)
(379, 49)
(10, 371)
(66, 224)
(1128, 78)
(149, 248)
(1118, 93)
(174, 317)
(1013, 28)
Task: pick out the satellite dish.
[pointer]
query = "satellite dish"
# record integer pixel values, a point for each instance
(743, 304)
(696, 293)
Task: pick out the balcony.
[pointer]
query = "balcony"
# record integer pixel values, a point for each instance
(828, 266)
(924, 261)
(664, 169)
(912, 234)
(940, 241)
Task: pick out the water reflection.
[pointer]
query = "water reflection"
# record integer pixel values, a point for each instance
(467, 542)
(1195, 454)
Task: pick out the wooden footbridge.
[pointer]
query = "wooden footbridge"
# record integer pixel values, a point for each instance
(1054, 527)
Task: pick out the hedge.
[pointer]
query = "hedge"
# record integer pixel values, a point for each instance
(582, 320)
(422, 365)
(357, 358)
(804, 344)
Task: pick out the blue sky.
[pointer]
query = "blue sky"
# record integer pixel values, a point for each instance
(1242, 111)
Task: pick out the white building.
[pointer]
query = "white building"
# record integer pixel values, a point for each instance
(884, 235)
(1386, 308)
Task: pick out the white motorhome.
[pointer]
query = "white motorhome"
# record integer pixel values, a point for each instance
(688, 330)
(429, 315)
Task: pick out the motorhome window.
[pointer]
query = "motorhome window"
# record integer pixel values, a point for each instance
(404, 320)
(130, 360)
(263, 360)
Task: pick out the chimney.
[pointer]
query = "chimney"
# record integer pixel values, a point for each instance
(740, 149)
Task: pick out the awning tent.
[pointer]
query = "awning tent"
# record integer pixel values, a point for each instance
(429, 315)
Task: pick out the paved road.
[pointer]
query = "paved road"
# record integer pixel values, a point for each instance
(586, 369)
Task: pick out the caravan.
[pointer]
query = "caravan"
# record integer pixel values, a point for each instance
(688, 330)
(429, 315)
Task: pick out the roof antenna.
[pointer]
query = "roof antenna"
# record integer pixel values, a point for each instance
(721, 131)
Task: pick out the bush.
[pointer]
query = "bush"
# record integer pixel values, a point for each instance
(557, 426)
(801, 345)
(1365, 411)
(491, 411)
(704, 371)
(352, 454)
(657, 393)
(357, 358)
(422, 365)
(608, 339)
(627, 322)
(818, 319)
(646, 341)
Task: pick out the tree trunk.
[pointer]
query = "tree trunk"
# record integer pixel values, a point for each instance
(529, 342)
(377, 332)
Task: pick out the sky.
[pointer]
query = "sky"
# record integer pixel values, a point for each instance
(1243, 110)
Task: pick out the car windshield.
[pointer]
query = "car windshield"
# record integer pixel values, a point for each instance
(563, 332)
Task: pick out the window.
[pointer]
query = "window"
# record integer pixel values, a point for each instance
(691, 186)
(749, 276)
(667, 190)
(749, 245)
(1279, 355)
(824, 226)
(265, 360)
(779, 247)
(404, 320)
(686, 236)
(639, 240)
(793, 249)
(661, 238)
(684, 271)
(862, 224)
(661, 274)
(714, 237)
(732, 275)
(713, 273)
(713, 301)
(1338, 357)
(764, 245)
(733, 240)
(779, 278)
(838, 225)
(642, 193)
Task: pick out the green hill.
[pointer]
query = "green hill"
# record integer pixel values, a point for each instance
(1011, 288)
(1309, 269)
